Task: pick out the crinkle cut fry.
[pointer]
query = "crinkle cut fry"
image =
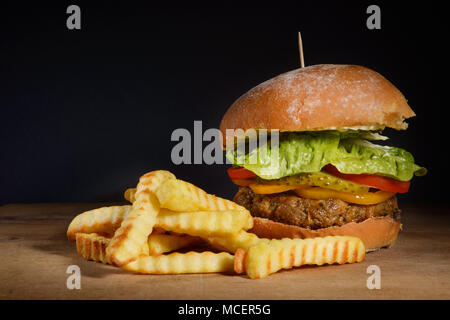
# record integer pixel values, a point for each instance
(179, 195)
(130, 194)
(195, 199)
(206, 223)
(178, 263)
(242, 239)
(101, 220)
(265, 258)
(92, 246)
(131, 238)
(162, 243)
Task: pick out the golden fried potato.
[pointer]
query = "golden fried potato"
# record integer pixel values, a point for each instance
(205, 223)
(158, 230)
(265, 258)
(101, 220)
(162, 243)
(130, 194)
(130, 239)
(177, 263)
(92, 246)
(183, 196)
(231, 243)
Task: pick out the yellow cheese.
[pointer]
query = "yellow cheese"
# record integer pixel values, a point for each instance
(272, 188)
(317, 193)
(365, 198)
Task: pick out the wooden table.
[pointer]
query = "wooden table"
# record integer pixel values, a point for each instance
(35, 255)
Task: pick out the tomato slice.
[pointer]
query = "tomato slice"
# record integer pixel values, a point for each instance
(240, 173)
(371, 180)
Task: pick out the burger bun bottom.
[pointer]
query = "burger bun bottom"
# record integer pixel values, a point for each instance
(375, 233)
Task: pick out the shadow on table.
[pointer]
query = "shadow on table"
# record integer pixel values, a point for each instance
(67, 249)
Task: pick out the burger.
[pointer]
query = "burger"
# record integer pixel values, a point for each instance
(333, 174)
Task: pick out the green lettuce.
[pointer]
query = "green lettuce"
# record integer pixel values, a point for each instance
(310, 152)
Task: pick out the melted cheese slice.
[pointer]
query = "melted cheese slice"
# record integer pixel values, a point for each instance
(317, 193)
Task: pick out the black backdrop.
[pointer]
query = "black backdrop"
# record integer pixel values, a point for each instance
(84, 113)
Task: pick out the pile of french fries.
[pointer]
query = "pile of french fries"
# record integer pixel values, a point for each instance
(167, 214)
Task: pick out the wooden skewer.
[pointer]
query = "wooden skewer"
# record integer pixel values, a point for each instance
(300, 50)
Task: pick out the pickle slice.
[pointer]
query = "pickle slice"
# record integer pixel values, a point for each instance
(317, 179)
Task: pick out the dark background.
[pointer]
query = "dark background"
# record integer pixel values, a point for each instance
(85, 112)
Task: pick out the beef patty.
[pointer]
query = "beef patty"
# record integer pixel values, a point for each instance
(291, 209)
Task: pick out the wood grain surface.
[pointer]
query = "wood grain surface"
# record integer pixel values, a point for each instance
(35, 254)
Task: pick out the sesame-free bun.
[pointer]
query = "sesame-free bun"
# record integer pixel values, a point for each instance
(375, 233)
(320, 97)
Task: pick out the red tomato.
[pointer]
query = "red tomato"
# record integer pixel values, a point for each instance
(240, 173)
(371, 180)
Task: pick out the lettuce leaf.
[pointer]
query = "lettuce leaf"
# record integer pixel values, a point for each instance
(310, 152)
